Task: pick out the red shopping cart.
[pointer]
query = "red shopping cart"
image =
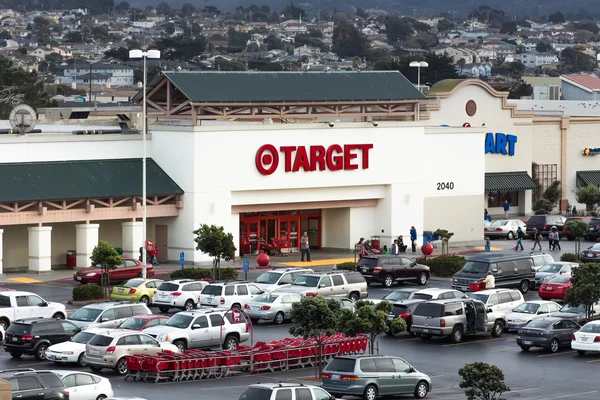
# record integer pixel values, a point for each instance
(476, 286)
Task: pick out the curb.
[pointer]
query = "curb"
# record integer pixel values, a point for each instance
(84, 302)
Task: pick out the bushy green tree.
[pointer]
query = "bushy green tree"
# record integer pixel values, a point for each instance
(348, 41)
(588, 195)
(214, 241)
(444, 236)
(482, 381)
(578, 231)
(369, 320)
(106, 257)
(585, 289)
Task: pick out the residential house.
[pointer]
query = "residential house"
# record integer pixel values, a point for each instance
(40, 53)
(475, 70)
(580, 87)
(88, 51)
(533, 60)
(530, 44)
(473, 34)
(544, 87)
(118, 75)
(307, 51)
(144, 24)
(470, 56)
(534, 25)
(293, 26)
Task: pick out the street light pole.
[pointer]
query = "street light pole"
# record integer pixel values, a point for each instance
(419, 65)
(144, 55)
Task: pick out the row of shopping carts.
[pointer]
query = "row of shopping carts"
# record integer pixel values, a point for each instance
(278, 355)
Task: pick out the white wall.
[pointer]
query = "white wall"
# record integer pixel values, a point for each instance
(580, 136)
(335, 224)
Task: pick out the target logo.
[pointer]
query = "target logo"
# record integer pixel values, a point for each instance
(267, 159)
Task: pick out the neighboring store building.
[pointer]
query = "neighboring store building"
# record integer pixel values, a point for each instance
(580, 87)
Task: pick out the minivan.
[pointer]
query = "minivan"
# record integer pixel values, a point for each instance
(510, 270)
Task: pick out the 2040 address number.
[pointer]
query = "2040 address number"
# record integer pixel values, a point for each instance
(445, 186)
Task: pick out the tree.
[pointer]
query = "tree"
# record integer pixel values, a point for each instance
(348, 42)
(5, 35)
(482, 381)
(542, 207)
(444, 25)
(212, 10)
(274, 43)
(543, 47)
(553, 193)
(523, 89)
(122, 6)
(574, 60)
(188, 9)
(588, 195)
(106, 257)
(445, 236)
(315, 318)
(583, 36)
(557, 18)
(294, 12)
(214, 241)
(585, 289)
(163, 8)
(181, 49)
(461, 63)
(397, 29)
(578, 231)
(119, 53)
(509, 27)
(74, 37)
(237, 39)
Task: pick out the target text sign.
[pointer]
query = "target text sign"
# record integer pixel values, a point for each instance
(312, 158)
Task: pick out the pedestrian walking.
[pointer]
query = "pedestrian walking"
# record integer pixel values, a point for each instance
(506, 208)
(551, 240)
(395, 248)
(305, 247)
(360, 248)
(537, 237)
(520, 236)
(152, 256)
(413, 238)
(556, 239)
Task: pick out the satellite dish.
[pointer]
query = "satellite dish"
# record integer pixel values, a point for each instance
(23, 118)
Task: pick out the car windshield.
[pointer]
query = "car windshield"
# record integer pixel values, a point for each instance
(134, 323)
(85, 314)
(527, 308)
(179, 321)
(538, 323)
(133, 283)
(551, 268)
(560, 279)
(500, 223)
(479, 296)
(397, 295)
(266, 298)
(82, 337)
(595, 247)
(475, 267)
(268, 277)
(212, 290)
(568, 308)
(307, 280)
(592, 328)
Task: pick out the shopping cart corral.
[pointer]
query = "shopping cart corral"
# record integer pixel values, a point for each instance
(279, 355)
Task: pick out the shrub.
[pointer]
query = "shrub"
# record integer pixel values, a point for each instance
(542, 206)
(444, 266)
(192, 273)
(228, 274)
(88, 292)
(570, 257)
(346, 266)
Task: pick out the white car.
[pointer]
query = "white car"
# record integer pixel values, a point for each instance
(529, 310)
(229, 295)
(502, 300)
(271, 280)
(72, 351)
(586, 339)
(437, 294)
(85, 386)
(183, 294)
(22, 305)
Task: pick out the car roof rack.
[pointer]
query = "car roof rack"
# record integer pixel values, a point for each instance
(17, 370)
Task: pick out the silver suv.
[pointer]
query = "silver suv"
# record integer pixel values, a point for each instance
(109, 314)
(332, 284)
(449, 318)
(271, 280)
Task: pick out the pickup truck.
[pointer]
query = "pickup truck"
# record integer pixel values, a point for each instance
(16, 305)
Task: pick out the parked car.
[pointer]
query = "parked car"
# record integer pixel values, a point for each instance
(388, 269)
(541, 259)
(73, 350)
(109, 349)
(339, 284)
(594, 229)
(141, 322)
(183, 294)
(437, 294)
(587, 338)
(551, 333)
(34, 336)
(449, 318)
(368, 376)
(229, 294)
(510, 270)
(543, 223)
(504, 228)
(566, 233)
(204, 328)
(137, 289)
(578, 313)
(276, 307)
(18, 305)
(344, 303)
(128, 269)
(591, 254)
(503, 300)
(549, 271)
(397, 295)
(109, 314)
(403, 309)
(555, 288)
(85, 386)
(529, 311)
(278, 391)
(273, 279)
(27, 383)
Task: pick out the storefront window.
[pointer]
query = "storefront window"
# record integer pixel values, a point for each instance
(496, 199)
(290, 212)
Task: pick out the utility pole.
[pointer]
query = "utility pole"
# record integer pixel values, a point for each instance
(90, 95)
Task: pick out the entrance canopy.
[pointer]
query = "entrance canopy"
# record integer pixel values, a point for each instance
(508, 182)
(585, 178)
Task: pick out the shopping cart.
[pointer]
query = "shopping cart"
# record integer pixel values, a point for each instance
(476, 286)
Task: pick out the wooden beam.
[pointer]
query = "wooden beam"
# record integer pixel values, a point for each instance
(180, 107)
(156, 106)
(156, 88)
(169, 97)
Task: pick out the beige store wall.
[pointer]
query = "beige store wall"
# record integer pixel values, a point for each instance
(5, 390)
(466, 225)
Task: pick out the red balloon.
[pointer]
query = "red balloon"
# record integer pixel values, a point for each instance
(263, 259)
(427, 249)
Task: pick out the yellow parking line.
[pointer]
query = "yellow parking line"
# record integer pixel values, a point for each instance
(557, 354)
(491, 248)
(475, 342)
(318, 263)
(23, 279)
(570, 395)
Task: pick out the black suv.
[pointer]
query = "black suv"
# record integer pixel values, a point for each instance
(34, 336)
(28, 384)
(388, 269)
(543, 223)
(594, 229)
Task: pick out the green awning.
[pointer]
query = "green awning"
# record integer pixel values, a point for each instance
(508, 182)
(585, 178)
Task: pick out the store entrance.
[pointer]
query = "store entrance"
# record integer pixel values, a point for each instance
(279, 230)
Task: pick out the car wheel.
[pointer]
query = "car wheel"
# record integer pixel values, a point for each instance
(421, 390)
(370, 393)
(164, 309)
(145, 300)
(388, 281)
(95, 369)
(457, 335)
(4, 324)
(425, 338)
(101, 397)
(236, 306)
(140, 274)
(422, 278)
(81, 360)
(16, 354)
(231, 343)
(553, 346)
(498, 329)
(40, 352)
(180, 344)
(510, 236)
(581, 352)
(354, 296)
(524, 287)
(525, 348)
(58, 316)
(189, 305)
(121, 367)
(279, 318)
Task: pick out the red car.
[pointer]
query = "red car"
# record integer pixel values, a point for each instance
(141, 322)
(128, 269)
(555, 288)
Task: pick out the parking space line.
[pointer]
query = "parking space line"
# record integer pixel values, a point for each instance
(524, 390)
(35, 363)
(446, 388)
(474, 342)
(593, 361)
(557, 354)
(407, 339)
(570, 395)
(505, 349)
(278, 326)
(436, 376)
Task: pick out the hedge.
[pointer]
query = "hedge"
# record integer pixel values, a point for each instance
(228, 274)
(443, 266)
(569, 257)
(88, 292)
(346, 266)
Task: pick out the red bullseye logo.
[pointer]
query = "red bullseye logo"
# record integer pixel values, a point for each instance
(267, 159)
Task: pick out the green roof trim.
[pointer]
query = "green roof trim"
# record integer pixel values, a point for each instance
(82, 179)
(271, 87)
(445, 86)
(508, 182)
(585, 178)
